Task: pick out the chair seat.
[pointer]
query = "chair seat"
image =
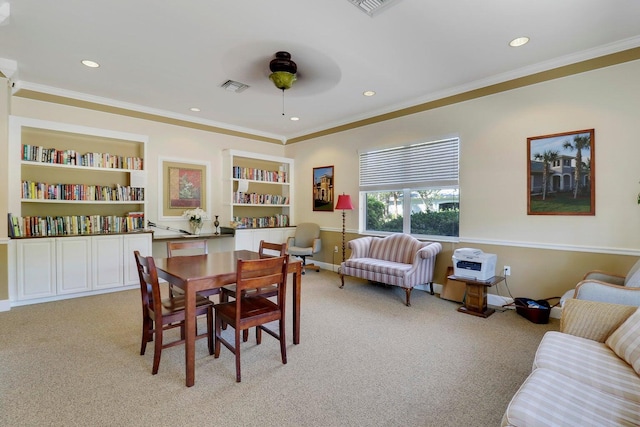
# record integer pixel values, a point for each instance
(177, 303)
(297, 251)
(269, 291)
(258, 308)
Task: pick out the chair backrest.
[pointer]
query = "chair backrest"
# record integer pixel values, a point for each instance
(149, 285)
(278, 249)
(306, 233)
(188, 247)
(261, 273)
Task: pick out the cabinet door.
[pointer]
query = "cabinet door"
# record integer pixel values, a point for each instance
(73, 265)
(36, 268)
(136, 242)
(244, 240)
(107, 262)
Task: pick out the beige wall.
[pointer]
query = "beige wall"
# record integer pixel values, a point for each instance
(547, 254)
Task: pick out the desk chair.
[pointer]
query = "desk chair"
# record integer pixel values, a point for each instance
(187, 248)
(304, 243)
(279, 249)
(254, 310)
(159, 315)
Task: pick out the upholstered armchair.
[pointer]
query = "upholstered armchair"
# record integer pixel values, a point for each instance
(608, 287)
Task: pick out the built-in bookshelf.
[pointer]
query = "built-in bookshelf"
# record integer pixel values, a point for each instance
(258, 190)
(76, 203)
(74, 180)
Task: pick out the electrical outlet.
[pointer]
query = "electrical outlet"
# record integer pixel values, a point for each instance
(507, 270)
(335, 249)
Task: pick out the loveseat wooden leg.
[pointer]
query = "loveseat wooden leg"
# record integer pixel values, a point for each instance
(408, 292)
(342, 281)
(431, 287)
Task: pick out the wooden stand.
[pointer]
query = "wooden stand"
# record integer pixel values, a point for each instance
(475, 301)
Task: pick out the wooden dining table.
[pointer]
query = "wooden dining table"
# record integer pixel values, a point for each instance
(196, 273)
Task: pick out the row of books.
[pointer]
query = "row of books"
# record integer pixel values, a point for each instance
(35, 153)
(43, 191)
(262, 222)
(260, 199)
(45, 226)
(260, 174)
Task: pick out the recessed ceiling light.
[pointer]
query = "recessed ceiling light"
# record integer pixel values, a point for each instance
(90, 64)
(520, 41)
(194, 109)
(369, 93)
(295, 119)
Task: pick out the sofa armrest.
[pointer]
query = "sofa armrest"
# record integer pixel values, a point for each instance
(603, 276)
(594, 290)
(360, 247)
(593, 320)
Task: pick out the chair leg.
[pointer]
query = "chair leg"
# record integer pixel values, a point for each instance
(157, 351)
(216, 337)
(283, 341)
(147, 334)
(245, 335)
(258, 335)
(237, 352)
(210, 331)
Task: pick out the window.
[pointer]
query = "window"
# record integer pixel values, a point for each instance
(411, 189)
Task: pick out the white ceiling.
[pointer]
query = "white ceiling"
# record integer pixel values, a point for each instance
(165, 57)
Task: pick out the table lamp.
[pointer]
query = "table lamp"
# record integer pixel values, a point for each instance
(344, 204)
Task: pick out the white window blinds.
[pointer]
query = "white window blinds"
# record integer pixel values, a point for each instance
(429, 164)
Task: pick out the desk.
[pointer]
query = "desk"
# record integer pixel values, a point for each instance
(199, 272)
(475, 299)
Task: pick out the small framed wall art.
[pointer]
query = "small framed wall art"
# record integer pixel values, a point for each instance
(561, 174)
(323, 178)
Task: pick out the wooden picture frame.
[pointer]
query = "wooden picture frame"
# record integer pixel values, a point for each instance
(554, 164)
(184, 185)
(323, 179)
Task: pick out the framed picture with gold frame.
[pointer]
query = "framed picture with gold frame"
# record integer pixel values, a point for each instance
(184, 185)
(561, 174)
(323, 188)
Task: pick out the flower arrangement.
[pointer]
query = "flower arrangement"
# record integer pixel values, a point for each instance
(195, 215)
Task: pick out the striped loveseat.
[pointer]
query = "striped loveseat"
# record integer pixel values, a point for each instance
(398, 260)
(585, 375)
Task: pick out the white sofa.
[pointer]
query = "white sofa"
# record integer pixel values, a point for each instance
(398, 260)
(585, 375)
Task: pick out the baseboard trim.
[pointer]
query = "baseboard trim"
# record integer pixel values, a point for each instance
(5, 305)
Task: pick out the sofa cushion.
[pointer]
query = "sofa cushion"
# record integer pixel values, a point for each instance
(549, 398)
(379, 266)
(396, 247)
(625, 341)
(589, 362)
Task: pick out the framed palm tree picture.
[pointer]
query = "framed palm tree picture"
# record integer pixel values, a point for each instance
(561, 174)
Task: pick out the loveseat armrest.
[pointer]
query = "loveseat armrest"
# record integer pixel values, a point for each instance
(360, 247)
(592, 319)
(594, 290)
(429, 251)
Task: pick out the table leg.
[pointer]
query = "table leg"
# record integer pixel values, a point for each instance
(190, 338)
(297, 287)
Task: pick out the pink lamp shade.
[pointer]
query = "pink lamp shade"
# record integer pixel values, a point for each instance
(344, 202)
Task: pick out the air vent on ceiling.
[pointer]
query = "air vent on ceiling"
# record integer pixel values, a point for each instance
(372, 7)
(233, 86)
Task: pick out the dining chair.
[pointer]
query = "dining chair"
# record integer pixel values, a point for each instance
(254, 310)
(159, 315)
(275, 249)
(187, 248)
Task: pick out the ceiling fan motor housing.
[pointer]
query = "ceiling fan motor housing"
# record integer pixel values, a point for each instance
(283, 70)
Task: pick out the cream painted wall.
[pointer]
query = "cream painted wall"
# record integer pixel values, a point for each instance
(493, 135)
(548, 254)
(166, 141)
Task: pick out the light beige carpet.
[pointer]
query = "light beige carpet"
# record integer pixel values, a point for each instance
(364, 360)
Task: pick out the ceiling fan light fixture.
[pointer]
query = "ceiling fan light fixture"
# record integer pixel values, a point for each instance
(283, 70)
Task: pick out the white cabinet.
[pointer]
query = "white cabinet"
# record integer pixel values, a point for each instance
(250, 239)
(107, 261)
(36, 272)
(73, 265)
(134, 242)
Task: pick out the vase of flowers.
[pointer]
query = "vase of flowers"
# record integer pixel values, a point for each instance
(196, 219)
